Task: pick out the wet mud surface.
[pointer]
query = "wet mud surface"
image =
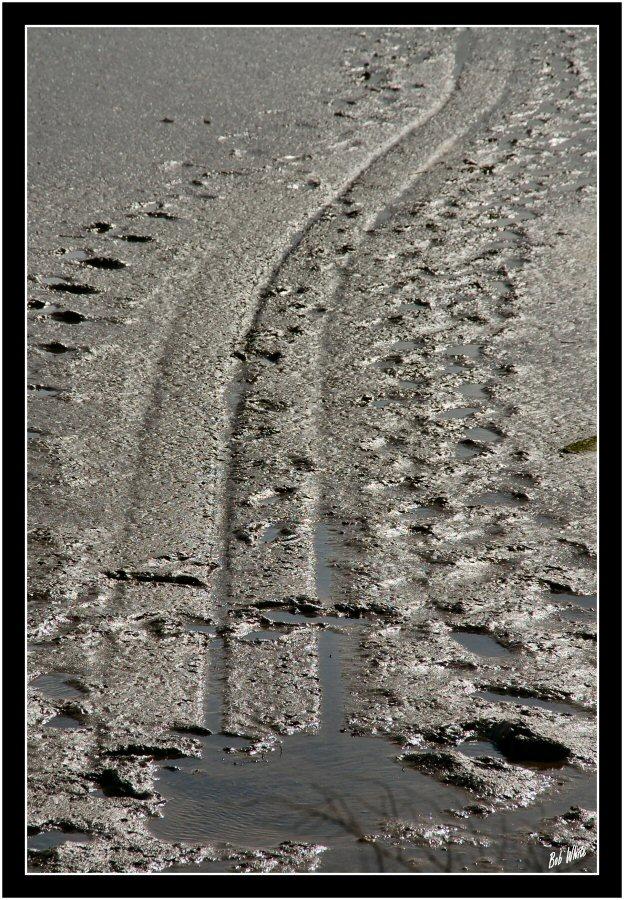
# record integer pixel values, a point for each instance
(312, 580)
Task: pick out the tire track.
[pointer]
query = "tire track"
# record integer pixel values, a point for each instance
(273, 482)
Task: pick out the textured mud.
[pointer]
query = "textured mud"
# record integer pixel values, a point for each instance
(312, 580)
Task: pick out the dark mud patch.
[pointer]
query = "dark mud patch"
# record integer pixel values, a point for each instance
(159, 214)
(112, 784)
(104, 262)
(69, 317)
(56, 347)
(156, 577)
(519, 743)
(72, 288)
(100, 227)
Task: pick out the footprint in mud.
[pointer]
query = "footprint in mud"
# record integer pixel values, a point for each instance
(487, 435)
(459, 412)
(481, 644)
(75, 255)
(57, 347)
(44, 391)
(70, 287)
(499, 498)
(69, 316)
(100, 227)
(160, 214)
(468, 449)
(104, 262)
(472, 351)
(58, 685)
(63, 722)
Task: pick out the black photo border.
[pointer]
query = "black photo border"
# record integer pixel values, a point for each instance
(16, 16)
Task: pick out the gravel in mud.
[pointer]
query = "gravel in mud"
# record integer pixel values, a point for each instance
(312, 453)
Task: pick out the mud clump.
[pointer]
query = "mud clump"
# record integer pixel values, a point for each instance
(114, 785)
(104, 262)
(493, 780)
(518, 742)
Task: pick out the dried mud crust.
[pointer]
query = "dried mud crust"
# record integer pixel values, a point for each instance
(390, 446)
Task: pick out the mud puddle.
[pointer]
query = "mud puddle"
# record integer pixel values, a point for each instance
(328, 787)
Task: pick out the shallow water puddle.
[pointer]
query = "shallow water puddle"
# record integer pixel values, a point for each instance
(518, 700)
(326, 545)
(483, 434)
(585, 601)
(406, 346)
(42, 391)
(63, 722)
(57, 684)
(481, 644)
(327, 787)
(78, 255)
(472, 351)
(498, 498)
(46, 840)
(309, 789)
(467, 450)
(459, 412)
(474, 391)
(261, 634)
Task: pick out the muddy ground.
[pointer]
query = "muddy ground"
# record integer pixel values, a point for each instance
(311, 386)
